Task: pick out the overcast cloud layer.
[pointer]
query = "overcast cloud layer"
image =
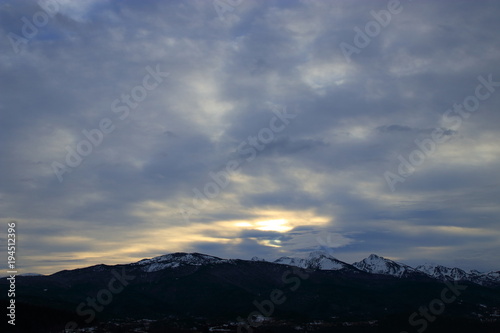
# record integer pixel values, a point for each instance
(330, 125)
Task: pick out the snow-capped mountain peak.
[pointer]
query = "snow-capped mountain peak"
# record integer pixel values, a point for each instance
(177, 259)
(324, 261)
(447, 273)
(380, 265)
(298, 262)
(318, 260)
(442, 272)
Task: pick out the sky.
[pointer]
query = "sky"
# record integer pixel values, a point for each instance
(242, 128)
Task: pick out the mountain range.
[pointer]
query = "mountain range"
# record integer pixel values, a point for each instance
(322, 260)
(180, 291)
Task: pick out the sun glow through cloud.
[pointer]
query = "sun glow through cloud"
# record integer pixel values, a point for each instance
(280, 225)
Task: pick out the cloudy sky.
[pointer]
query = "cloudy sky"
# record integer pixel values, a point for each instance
(246, 128)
